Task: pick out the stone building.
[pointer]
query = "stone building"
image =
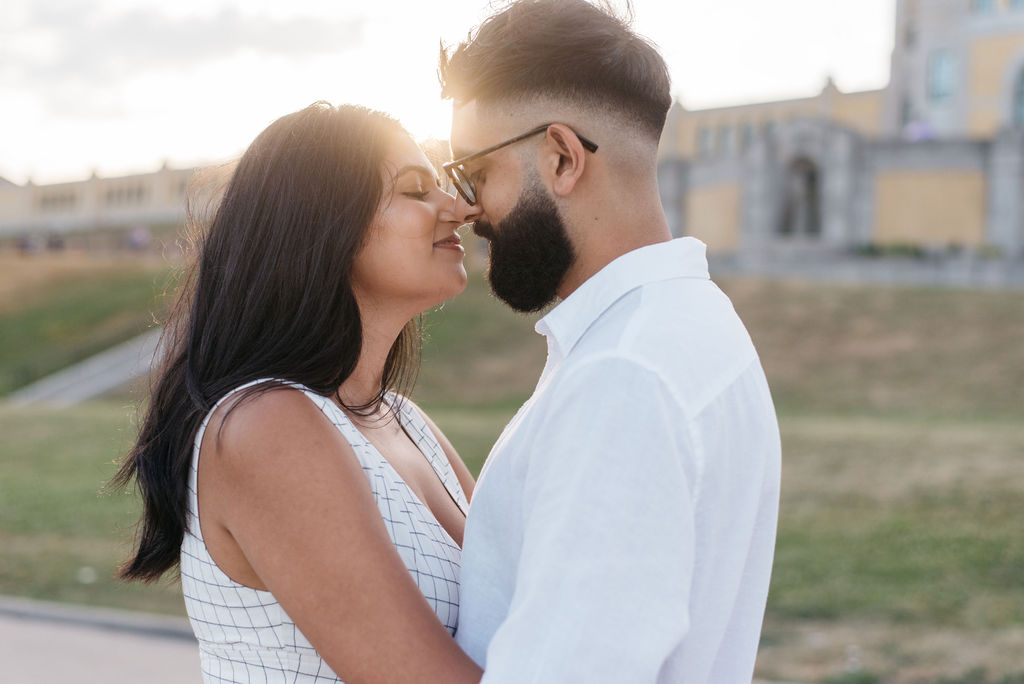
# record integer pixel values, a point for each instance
(934, 162)
(142, 201)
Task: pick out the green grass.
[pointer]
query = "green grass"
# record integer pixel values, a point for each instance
(900, 534)
(901, 520)
(72, 319)
(57, 525)
(479, 352)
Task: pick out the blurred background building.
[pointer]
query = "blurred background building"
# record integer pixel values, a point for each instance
(934, 162)
(130, 208)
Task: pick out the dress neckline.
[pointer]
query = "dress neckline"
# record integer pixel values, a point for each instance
(438, 462)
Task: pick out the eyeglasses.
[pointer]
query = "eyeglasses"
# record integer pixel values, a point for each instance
(461, 181)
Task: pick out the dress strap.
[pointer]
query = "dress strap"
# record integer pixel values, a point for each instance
(417, 430)
(426, 441)
(228, 395)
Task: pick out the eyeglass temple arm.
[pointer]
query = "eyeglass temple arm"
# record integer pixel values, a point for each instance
(588, 145)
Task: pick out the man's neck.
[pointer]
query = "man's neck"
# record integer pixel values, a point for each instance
(615, 235)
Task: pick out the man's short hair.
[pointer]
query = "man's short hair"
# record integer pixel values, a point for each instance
(563, 49)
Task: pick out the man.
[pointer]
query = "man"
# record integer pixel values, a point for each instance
(623, 527)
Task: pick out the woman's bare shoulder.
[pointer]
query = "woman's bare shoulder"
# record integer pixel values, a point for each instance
(278, 420)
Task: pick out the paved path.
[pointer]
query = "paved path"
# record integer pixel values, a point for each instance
(44, 643)
(98, 374)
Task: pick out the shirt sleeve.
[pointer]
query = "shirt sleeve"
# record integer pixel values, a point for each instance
(603, 582)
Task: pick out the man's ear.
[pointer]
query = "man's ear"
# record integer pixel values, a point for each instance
(564, 159)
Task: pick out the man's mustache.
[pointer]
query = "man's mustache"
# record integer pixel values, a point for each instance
(484, 229)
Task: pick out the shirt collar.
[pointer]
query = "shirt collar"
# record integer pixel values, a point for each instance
(680, 258)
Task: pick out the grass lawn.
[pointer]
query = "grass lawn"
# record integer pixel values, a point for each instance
(61, 536)
(901, 544)
(900, 541)
(59, 309)
(901, 548)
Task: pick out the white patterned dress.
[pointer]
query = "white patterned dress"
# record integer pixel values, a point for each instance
(245, 636)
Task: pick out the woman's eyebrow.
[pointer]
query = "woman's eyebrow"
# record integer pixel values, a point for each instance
(424, 171)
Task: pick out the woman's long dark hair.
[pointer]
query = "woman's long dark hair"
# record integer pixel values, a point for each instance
(270, 296)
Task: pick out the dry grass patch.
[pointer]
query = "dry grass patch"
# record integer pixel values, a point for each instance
(27, 279)
(828, 347)
(888, 462)
(814, 650)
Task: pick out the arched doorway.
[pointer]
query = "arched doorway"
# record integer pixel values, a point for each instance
(801, 202)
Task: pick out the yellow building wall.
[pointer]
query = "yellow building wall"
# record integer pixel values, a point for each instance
(713, 216)
(930, 208)
(10, 202)
(860, 111)
(990, 58)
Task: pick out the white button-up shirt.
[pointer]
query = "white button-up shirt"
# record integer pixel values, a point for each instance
(624, 524)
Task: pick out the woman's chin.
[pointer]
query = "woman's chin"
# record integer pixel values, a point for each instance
(449, 292)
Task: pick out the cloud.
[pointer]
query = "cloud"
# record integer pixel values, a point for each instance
(78, 54)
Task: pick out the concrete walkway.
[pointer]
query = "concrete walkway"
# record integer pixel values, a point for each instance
(44, 643)
(54, 643)
(98, 374)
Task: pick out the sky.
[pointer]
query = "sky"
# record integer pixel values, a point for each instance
(123, 86)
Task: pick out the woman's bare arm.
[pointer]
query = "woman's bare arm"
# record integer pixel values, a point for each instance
(288, 489)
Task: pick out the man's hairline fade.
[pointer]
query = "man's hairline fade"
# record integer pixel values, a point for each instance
(615, 131)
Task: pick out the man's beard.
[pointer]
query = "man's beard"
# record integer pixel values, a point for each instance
(530, 251)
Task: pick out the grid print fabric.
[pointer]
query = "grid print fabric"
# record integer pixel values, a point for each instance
(245, 636)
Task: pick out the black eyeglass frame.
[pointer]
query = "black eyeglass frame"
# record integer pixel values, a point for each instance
(461, 181)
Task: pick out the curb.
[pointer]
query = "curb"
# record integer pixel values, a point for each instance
(160, 626)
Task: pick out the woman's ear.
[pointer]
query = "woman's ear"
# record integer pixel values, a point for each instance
(564, 158)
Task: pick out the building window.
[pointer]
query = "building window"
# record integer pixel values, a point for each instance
(124, 196)
(906, 112)
(941, 76)
(1018, 101)
(983, 5)
(909, 36)
(746, 136)
(59, 201)
(705, 142)
(726, 140)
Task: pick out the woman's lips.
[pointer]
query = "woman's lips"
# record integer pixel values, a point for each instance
(453, 242)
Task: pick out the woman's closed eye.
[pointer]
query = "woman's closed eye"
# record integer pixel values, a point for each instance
(422, 190)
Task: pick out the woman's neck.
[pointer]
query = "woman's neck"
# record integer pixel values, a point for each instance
(379, 334)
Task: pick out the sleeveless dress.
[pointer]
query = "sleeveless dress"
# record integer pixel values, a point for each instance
(245, 636)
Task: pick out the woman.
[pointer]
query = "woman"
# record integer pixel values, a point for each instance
(316, 513)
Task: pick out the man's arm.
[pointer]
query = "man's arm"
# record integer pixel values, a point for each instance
(602, 587)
